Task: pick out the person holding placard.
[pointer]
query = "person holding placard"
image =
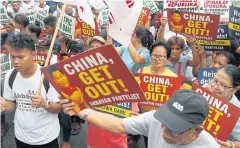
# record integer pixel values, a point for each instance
(224, 84)
(36, 121)
(178, 123)
(21, 22)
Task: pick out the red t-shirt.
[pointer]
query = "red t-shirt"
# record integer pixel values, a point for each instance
(98, 138)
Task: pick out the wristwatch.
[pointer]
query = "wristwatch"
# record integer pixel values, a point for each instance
(47, 105)
(85, 114)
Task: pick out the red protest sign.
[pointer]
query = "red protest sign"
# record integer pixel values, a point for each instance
(87, 30)
(65, 56)
(157, 89)
(143, 18)
(92, 78)
(202, 25)
(40, 59)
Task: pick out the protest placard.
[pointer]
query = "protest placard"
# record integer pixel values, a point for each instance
(203, 26)
(3, 16)
(143, 18)
(103, 17)
(98, 4)
(40, 59)
(40, 17)
(60, 57)
(87, 30)
(220, 111)
(182, 5)
(67, 26)
(92, 79)
(222, 42)
(121, 110)
(6, 64)
(150, 5)
(205, 75)
(234, 21)
(157, 89)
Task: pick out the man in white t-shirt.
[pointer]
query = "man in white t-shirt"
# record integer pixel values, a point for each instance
(36, 121)
(43, 8)
(177, 124)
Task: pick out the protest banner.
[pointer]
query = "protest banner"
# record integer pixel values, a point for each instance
(234, 21)
(40, 59)
(60, 57)
(157, 89)
(182, 5)
(150, 5)
(121, 110)
(3, 16)
(40, 17)
(143, 18)
(203, 26)
(103, 17)
(98, 4)
(67, 26)
(218, 7)
(31, 16)
(220, 111)
(205, 75)
(87, 30)
(222, 42)
(92, 79)
(6, 64)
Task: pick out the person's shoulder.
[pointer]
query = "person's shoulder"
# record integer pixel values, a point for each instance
(234, 100)
(207, 140)
(168, 72)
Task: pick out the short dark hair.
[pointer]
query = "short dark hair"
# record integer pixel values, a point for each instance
(144, 35)
(230, 57)
(21, 41)
(233, 72)
(163, 44)
(175, 40)
(21, 19)
(75, 47)
(50, 21)
(35, 29)
(175, 11)
(4, 37)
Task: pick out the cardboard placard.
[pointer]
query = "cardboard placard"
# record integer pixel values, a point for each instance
(218, 7)
(157, 89)
(234, 21)
(143, 18)
(40, 17)
(150, 5)
(205, 75)
(4, 19)
(203, 26)
(40, 59)
(6, 64)
(182, 5)
(222, 42)
(92, 79)
(67, 26)
(121, 110)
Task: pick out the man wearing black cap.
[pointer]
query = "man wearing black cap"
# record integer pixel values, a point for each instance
(176, 124)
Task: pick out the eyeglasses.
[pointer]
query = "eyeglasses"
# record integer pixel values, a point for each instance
(156, 57)
(221, 86)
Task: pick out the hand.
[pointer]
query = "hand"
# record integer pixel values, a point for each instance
(201, 50)
(38, 101)
(96, 12)
(3, 104)
(61, 38)
(163, 21)
(192, 39)
(224, 144)
(68, 108)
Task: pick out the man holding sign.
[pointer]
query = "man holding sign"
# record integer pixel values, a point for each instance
(177, 123)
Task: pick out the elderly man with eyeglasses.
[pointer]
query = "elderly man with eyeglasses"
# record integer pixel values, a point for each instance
(177, 124)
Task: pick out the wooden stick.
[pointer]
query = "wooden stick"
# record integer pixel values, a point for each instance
(52, 44)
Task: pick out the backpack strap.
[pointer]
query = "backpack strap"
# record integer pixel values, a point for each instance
(12, 78)
(14, 74)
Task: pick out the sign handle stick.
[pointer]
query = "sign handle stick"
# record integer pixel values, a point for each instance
(51, 46)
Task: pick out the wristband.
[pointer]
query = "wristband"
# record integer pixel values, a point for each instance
(85, 114)
(47, 105)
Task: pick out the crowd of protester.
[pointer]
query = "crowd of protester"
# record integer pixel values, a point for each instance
(151, 51)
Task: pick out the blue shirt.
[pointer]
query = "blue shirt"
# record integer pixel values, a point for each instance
(129, 61)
